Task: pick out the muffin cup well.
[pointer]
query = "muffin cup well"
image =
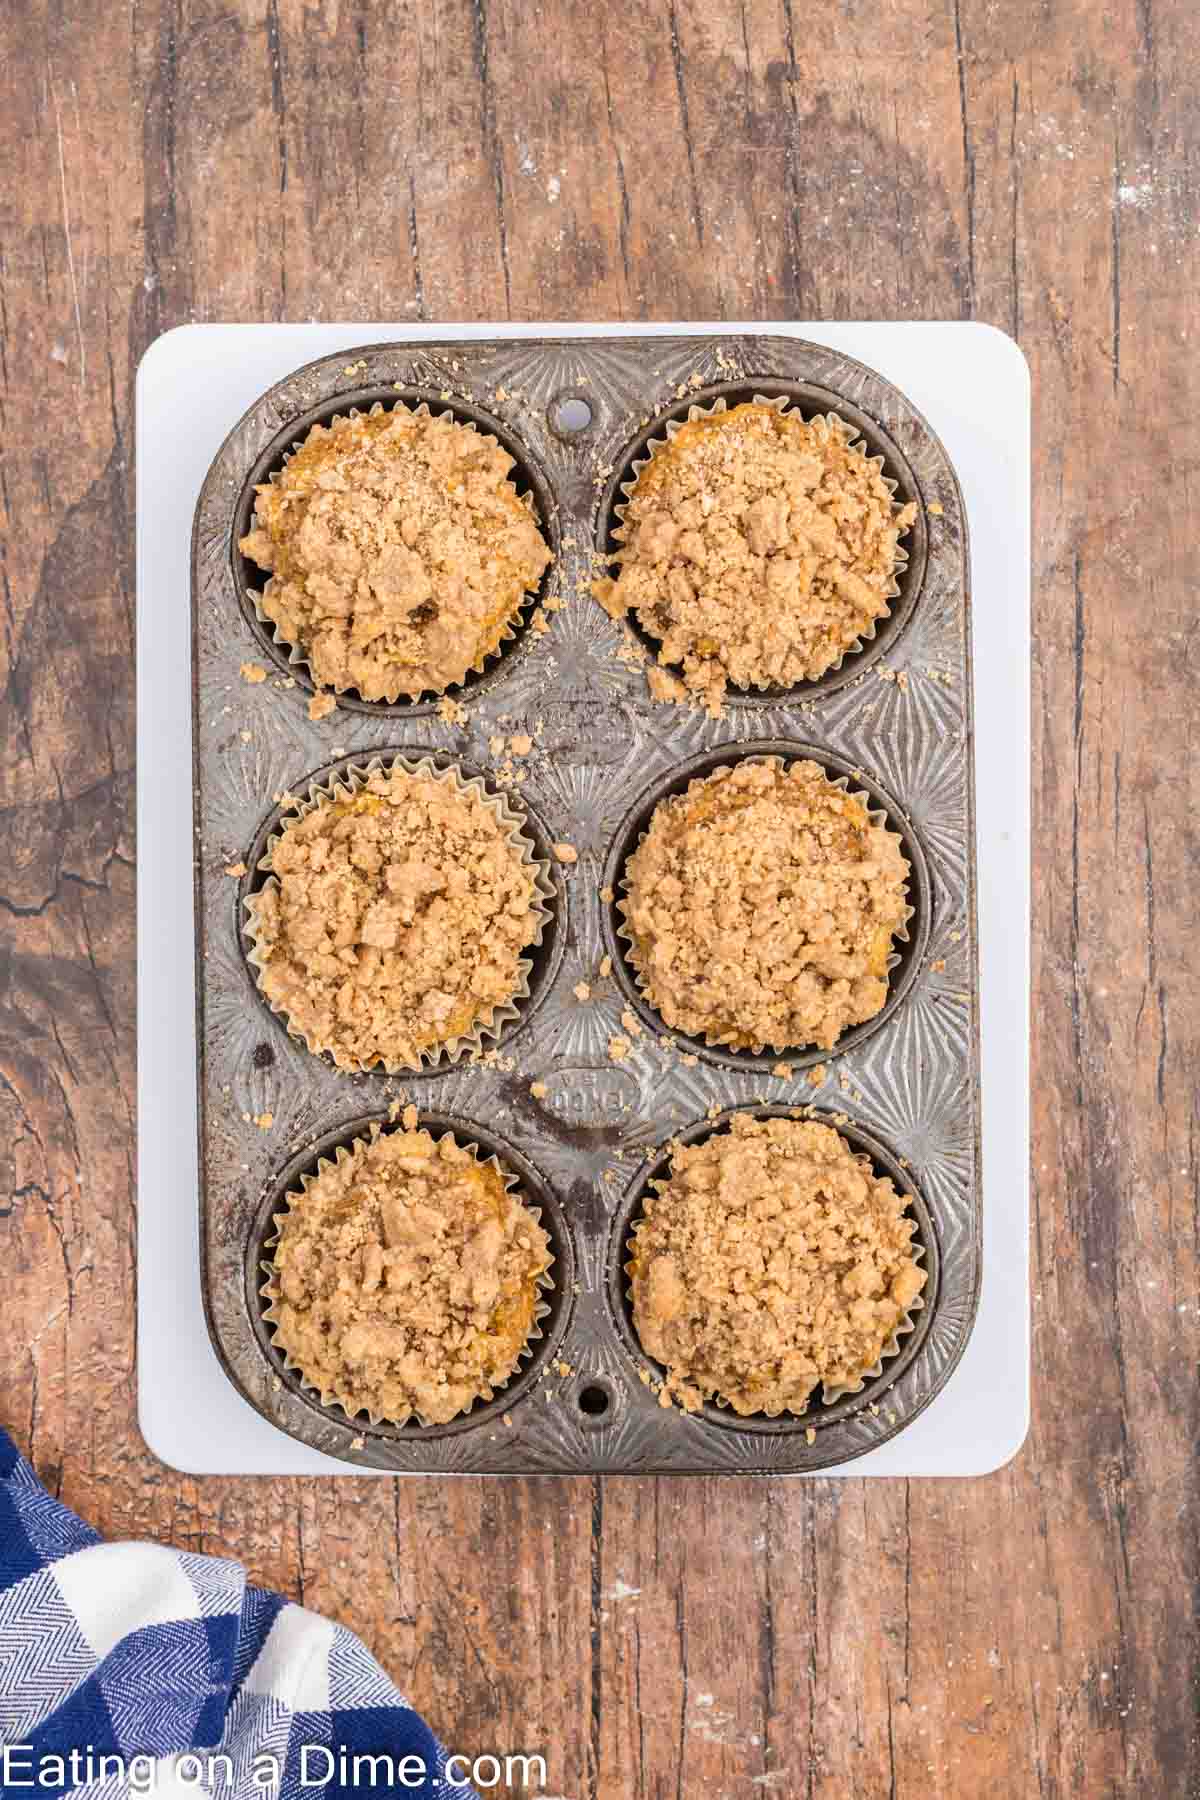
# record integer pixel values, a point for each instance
(550, 1312)
(835, 1403)
(251, 582)
(348, 778)
(861, 431)
(911, 937)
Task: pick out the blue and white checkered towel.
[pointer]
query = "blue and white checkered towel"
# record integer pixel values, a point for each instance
(166, 1673)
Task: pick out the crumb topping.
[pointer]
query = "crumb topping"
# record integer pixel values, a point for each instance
(757, 548)
(762, 905)
(772, 1259)
(396, 920)
(407, 1278)
(399, 552)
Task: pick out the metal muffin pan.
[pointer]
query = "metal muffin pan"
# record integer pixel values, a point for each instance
(895, 718)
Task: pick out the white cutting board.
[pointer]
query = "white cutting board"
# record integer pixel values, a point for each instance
(194, 383)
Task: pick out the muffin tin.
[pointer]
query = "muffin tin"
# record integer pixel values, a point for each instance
(894, 718)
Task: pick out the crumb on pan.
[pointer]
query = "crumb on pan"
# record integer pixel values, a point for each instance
(762, 905)
(252, 672)
(757, 548)
(321, 705)
(566, 853)
(399, 552)
(396, 920)
(771, 1261)
(407, 1277)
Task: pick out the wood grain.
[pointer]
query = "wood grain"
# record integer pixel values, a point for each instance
(1034, 165)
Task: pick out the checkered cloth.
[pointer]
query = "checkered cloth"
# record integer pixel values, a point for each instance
(140, 1655)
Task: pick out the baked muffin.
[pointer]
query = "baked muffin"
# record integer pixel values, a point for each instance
(399, 552)
(761, 906)
(405, 1279)
(772, 1260)
(395, 919)
(758, 548)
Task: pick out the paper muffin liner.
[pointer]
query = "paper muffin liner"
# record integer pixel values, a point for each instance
(835, 423)
(269, 1291)
(829, 1392)
(877, 816)
(297, 659)
(344, 785)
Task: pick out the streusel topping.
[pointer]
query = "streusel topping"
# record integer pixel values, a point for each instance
(407, 1278)
(399, 552)
(762, 905)
(773, 1259)
(395, 921)
(757, 548)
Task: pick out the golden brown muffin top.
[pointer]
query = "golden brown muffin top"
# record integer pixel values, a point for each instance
(396, 920)
(407, 1277)
(771, 1261)
(762, 904)
(757, 548)
(399, 552)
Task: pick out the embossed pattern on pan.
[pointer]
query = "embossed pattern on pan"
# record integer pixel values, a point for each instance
(583, 1087)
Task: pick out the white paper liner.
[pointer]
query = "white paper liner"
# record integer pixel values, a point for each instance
(345, 1403)
(829, 1394)
(783, 406)
(876, 815)
(295, 653)
(345, 785)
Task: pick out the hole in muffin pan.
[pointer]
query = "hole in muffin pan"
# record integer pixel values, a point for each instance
(525, 475)
(911, 954)
(569, 414)
(537, 1193)
(819, 1412)
(545, 957)
(595, 1402)
(808, 399)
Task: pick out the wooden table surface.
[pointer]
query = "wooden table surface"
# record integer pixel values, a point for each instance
(1031, 164)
